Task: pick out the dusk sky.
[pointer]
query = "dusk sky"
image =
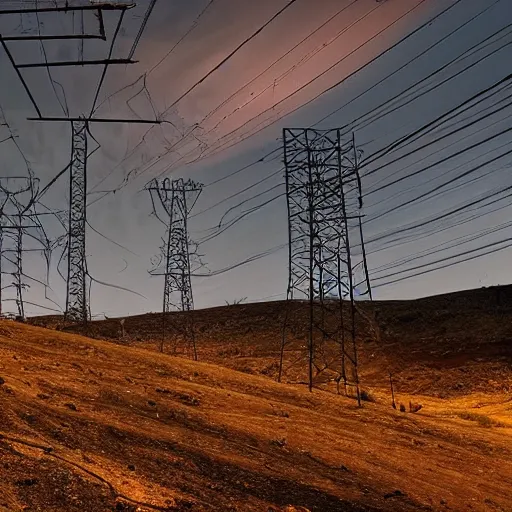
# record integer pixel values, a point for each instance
(235, 117)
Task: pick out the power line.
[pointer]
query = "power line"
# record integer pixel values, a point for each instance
(446, 213)
(362, 67)
(236, 194)
(451, 244)
(433, 87)
(446, 136)
(410, 61)
(218, 150)
(329, 69)
(231, 54)
(423, 130)
(367, 64)
(149, 10)
(407, 239)
(441, 161)
(492, 245)
(302, 61)
(279, 59)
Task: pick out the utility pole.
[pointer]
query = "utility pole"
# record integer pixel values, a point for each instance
(177, 197)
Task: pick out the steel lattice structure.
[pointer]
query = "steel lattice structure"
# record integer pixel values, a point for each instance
(178, 198)
(16, 221)
(76, 296)
(327, 263)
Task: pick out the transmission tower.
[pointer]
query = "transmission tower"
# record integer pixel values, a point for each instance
(77, 307)
(177, 197)
(327, 261)
(16, 221)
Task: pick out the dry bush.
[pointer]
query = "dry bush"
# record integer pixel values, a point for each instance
(366, 396)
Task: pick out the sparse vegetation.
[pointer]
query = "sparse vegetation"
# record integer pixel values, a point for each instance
(235, 302)
(481, 419)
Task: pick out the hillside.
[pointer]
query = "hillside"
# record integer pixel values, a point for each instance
(442, 346)
(92, 425)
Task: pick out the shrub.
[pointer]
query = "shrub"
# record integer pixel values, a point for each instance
(366, 396)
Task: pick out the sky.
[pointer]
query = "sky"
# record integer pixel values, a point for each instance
(285, 76)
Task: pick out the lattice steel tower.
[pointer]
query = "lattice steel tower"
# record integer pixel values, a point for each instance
(327, 263)
(178, 198)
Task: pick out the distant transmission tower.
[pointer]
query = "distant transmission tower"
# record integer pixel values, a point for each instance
(177, 197)
(327, 261)
(17, 220)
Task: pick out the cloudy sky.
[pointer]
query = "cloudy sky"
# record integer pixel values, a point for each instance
(439, 198)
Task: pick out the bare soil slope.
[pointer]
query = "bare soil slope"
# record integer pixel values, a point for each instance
(443, 346)
(91, 425)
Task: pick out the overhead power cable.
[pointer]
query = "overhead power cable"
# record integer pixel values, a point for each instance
(451, 244)
(494, 247)
(272, 108)
(440, 216)
(231, 54)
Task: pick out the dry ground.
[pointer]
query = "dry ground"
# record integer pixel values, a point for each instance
(91, 425)
(444, 346)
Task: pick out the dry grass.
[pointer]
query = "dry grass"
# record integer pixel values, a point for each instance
(481, 419)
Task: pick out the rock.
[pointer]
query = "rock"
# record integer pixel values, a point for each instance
(27, 482)
(152, 403)
(29, 418)
(2, 381)
(394, 494)
(71, 406)
(131, 467)
(125, 507)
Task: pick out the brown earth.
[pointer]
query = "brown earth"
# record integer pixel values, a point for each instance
(89, 424)
(442, 346)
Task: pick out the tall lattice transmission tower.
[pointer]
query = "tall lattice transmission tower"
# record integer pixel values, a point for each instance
(177, 197)
(327, 261)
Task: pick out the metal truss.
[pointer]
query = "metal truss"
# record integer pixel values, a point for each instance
(178, 198)
(327, 263)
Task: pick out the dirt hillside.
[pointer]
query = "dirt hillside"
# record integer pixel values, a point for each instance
(443, 346)
(92, 425)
